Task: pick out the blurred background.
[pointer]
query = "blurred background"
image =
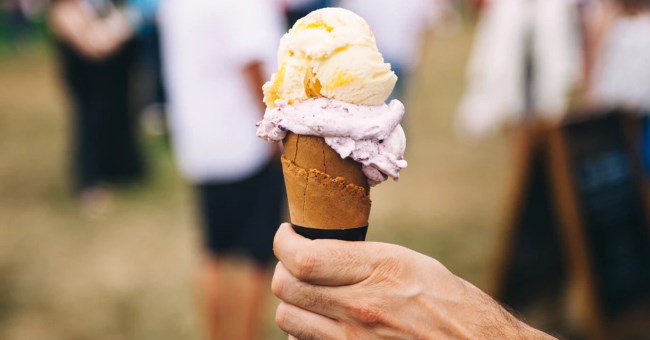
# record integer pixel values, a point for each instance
(87, 253)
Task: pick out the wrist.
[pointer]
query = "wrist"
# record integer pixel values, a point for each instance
(525, 332)
(500, 323)
(461, 310)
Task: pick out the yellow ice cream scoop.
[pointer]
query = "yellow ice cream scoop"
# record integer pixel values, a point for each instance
(330, 53)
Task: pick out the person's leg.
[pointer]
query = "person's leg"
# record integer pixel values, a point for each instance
(255, 297)
(231, 295)
(77, 75)
(258, 242)
(230, 289)
(210, 292)
(80, 80)
(119, 150)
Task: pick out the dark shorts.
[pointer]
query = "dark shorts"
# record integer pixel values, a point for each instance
(241, 217)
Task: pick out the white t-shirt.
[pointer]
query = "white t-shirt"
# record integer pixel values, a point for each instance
(397, 25)
(623, 75)
(212, 109)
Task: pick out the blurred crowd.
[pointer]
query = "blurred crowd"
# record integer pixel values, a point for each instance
(193, 69)
(538, 58)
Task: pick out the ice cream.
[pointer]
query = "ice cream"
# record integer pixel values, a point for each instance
(371, 135)
(330, 53)
(327, 104)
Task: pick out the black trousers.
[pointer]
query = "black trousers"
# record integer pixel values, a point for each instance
(105, 139)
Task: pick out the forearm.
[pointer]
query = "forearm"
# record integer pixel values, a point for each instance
(255, 79)
(446, 306)
(501, 324)
(489, 320)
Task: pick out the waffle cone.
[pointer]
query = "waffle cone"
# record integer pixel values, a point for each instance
(323, 190)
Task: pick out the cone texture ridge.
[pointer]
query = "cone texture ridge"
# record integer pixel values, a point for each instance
(323, 190)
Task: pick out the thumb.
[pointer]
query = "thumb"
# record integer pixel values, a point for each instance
(324, 262)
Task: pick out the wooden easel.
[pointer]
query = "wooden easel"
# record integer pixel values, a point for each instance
(578, 220)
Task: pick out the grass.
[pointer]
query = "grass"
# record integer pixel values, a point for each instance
(129, 275)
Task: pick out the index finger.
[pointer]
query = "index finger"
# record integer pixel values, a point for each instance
(323, 262)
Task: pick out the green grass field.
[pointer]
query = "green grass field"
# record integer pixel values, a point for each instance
(129, 275)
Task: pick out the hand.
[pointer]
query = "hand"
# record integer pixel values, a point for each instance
(334, 289)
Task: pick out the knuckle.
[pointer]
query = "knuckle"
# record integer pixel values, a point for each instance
(391, 268)
(310, 301)
(368, 314)
(305, 265)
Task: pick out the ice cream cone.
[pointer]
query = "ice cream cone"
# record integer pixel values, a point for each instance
(333, 84)
(328, 196)
(310, 152)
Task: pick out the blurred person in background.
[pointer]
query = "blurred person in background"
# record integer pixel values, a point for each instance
(215, 55)
(618, 74)
(618, 48)
(619, 70)
(400, 28)
(151, 94)
(15, 20)
(525, 63)
(94, 39)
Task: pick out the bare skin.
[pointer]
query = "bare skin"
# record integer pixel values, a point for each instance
(333, 289)
(231, 297)
(255, 79)
(255, 76)
(92, 36)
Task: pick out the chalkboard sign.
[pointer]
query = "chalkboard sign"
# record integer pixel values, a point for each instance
(603, 207)
(613, 211)
(578, 217)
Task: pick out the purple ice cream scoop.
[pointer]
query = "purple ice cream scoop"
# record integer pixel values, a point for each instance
(370, 135)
